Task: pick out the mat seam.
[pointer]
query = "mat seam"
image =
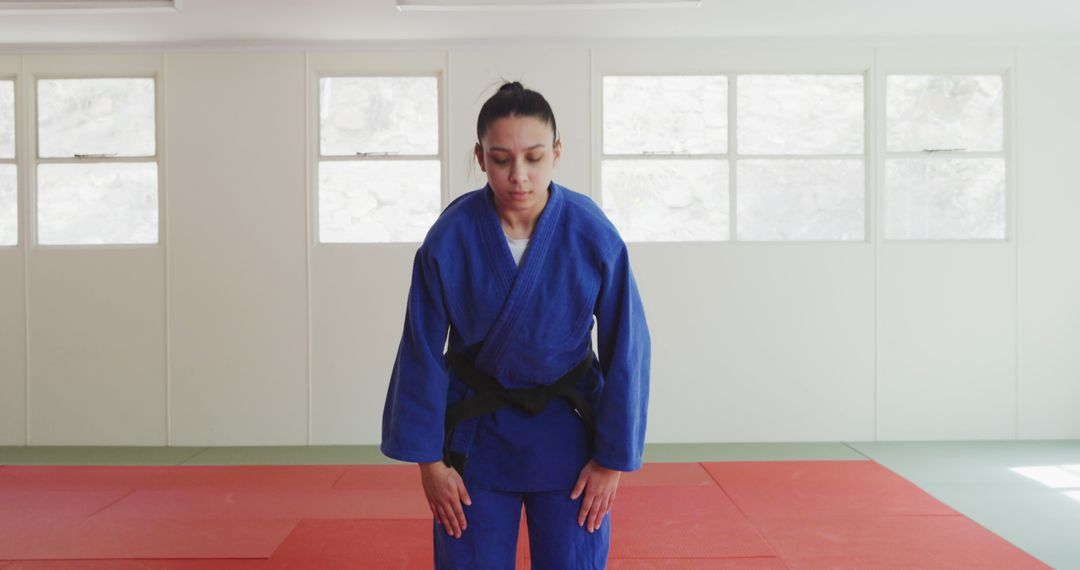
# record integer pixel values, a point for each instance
(128, 494)
(748, 521)
(184, 462)
(849, 446)
(339, 477)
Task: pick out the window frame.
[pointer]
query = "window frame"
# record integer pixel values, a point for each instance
(1004, 154)
(647, 157)
(952, 61)
(370, 64)
(9, 72)
(133, 66)
(749, 57)
(733, 156)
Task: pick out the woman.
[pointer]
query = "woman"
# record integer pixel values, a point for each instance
(520, 410)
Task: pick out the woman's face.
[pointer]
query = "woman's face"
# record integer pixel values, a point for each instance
(518, 155)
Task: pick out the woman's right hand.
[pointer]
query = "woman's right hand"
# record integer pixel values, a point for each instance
(445, 492)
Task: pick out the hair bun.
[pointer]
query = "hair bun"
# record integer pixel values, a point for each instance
(514, 86)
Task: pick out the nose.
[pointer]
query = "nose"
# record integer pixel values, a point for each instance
(518, 173)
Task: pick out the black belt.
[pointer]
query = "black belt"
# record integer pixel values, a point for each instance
(491, 396)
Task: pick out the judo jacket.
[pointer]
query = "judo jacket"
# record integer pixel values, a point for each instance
(525, 326)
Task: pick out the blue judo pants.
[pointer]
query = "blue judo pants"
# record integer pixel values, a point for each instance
(556, 542)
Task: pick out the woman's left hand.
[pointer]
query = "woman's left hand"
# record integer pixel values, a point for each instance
(599, 484)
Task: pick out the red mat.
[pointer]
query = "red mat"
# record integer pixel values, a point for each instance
(798, 514)
(789, 489)
(196, 477)
(686, 564)
(893, 542)
(327, 504)
(314, 544)
(142, 564)
(144, 537)
(667, 474)
(22, 505)
(373, 543)
(175, 564)
(401, 477)
(681, 522)
(695, 564)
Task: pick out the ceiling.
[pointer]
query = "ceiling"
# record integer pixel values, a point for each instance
(216, 21)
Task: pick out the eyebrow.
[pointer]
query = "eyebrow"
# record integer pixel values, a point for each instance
(508, 150)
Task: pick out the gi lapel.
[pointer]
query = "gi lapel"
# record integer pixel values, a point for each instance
(523, 278)
(498, 253)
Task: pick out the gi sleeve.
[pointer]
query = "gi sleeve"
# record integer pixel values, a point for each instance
(624, 353)
(415, 409)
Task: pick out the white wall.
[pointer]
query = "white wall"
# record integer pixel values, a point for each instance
(239, 330)
(237, 249)
(1048, 315)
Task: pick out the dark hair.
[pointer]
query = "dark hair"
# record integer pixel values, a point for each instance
(514, 99)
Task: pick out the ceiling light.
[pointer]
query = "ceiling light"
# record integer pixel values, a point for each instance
(502, 5)
(9, 7)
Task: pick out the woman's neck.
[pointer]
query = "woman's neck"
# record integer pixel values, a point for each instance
(519, 224)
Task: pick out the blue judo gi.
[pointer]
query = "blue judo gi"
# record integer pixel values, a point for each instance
(525, 326)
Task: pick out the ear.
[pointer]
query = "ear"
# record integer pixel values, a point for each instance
(478, 151)
(556, 151)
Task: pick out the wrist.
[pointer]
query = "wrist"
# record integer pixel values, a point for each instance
(602, 469)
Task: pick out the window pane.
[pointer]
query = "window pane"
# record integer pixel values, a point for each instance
(7, 119)
(114, 203)
(800, 114)
(665, 114)
(9, 210)
(95, 116)
(377, 201)
(962, 112)
(945, 199)
(667, 200)
(399, 115)
(800, 200)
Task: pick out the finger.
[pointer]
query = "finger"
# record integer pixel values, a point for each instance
(585, 506)
(447, 526)
(596, 515)
(459, 514)
(452, 520)
(434, 512)
(605, 509)
(464, 493)
(592, 516)
(579, 486)
(447, 521)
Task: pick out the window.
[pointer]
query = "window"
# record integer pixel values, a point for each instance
(801, 161)
(945, 171)
(379, 163)
(797, 143)
(9, 203)
(664, 171)
(97, 172)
